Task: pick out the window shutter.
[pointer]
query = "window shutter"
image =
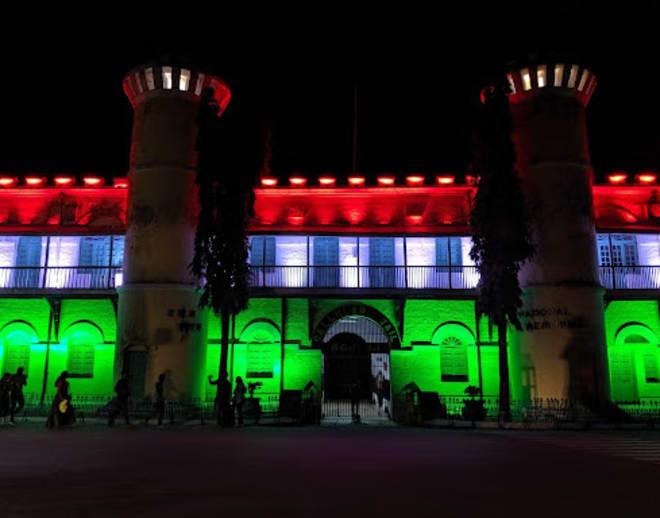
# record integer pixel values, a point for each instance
(94, 253)
(28, 254)
(381, 262)
(257, 251)
(17, 356)
(326, 255)
(453, 360)
(651, 367)
(118, 250)
(81, 360)
(442, 254)
(456, 251)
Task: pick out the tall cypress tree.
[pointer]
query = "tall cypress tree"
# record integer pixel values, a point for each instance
(230, 156)
(500, 229)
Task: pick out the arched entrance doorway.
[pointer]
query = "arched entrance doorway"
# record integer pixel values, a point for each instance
(356, 366)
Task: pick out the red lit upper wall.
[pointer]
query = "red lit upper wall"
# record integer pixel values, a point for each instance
(412, 210)
(55, 210)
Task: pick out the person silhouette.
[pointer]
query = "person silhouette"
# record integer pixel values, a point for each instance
(61, 411)
(18, 381)
(239, 399)
(123, 391)
(5, 396)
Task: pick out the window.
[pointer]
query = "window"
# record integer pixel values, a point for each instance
(381, 262)
(16, 338)
(81, 339)
(622, 252)
(446, 249)
(326, 262)
(28, 255)
(93, 259)
(81, 360)
(17, 355)
(453, 359)
(262, 252)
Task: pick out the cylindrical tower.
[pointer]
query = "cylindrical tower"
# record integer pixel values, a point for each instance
(561, 349)
(160, 326)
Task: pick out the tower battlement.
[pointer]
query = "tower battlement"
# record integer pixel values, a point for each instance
(160, 79)
(558, 78)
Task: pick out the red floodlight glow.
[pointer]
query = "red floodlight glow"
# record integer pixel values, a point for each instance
(63, 180)
(415, 179)
(386, 180)
(617, 178)
(7, 181)
(647, 177)
(34, 181)
(356, 181)
(297, 181)
(471, 179)
(120, 183)
(93, 181)
(268, 181)
(327, 181)
(445, 180)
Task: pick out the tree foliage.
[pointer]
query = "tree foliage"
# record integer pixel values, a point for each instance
(230, 156)
(500, 229)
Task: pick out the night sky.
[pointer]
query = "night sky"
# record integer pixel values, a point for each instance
(418, 79)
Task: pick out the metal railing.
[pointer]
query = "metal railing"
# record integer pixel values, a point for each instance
(365, 277)
(630, 277)
(60, 277)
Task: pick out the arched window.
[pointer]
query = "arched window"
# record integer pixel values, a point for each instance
(81, 340)
(453, 339)
(260, 337)
(16, 338)
(635, 349)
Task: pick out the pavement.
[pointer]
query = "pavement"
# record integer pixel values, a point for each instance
(342, 470)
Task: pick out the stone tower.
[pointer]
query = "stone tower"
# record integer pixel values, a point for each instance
(160, 326)
(561, 349)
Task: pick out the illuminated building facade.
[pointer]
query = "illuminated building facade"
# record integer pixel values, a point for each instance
(349, 278)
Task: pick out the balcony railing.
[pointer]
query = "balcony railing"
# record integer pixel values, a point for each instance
(365, 277)
(630, 277)
(60, 277)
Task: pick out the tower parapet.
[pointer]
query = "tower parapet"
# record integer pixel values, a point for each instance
(556, 78)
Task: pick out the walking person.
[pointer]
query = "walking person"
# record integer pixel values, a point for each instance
(123, 391)
(5, 397)
(61, 411)
(380, 391)
(222, 399)
(160, 399)
(239, 399)
(18, 381)
(355, 400)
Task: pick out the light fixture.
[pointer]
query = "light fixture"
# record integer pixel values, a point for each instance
(617, 178)
(7, 181)
(415, 179)
(34, 181)
(445, 179)
(356, 181)
(327, 181)
(268, 181)
(646, 177)
(297, 181)
(386, 180)
(93, 181)
(63, 180)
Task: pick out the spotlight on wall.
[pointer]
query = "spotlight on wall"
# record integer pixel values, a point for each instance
(63, 181)
(269, 181)
(356, 181)
(8, 181)
(445, 179)
(93, 181)
(415, 179)
(34, 181)
(646, 178)
(297, 181)
(327, 181)
(386, 181)
(617, 178)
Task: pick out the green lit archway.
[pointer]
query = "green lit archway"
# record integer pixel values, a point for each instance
(81, 340)
(16, 340)
(634, 363)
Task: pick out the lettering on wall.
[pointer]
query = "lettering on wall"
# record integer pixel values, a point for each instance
(182, 315)
(552, 317)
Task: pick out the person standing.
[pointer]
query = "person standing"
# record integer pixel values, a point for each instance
(123, 391)
(61, 411)
(18, 381)
(355, 400)
(5, 396)
(222, 399)
(160, 399)
(239, 399)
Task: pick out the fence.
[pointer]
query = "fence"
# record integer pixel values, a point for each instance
(61, 277)
(372, 277)
(630, 277)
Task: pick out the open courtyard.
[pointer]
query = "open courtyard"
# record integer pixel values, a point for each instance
(91, 470)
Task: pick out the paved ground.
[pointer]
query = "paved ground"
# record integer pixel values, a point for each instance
(327, 471)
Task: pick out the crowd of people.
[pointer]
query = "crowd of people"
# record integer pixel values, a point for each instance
(228, 408)
(12, 400)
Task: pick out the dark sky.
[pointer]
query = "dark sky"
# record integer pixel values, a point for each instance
(418, 77)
